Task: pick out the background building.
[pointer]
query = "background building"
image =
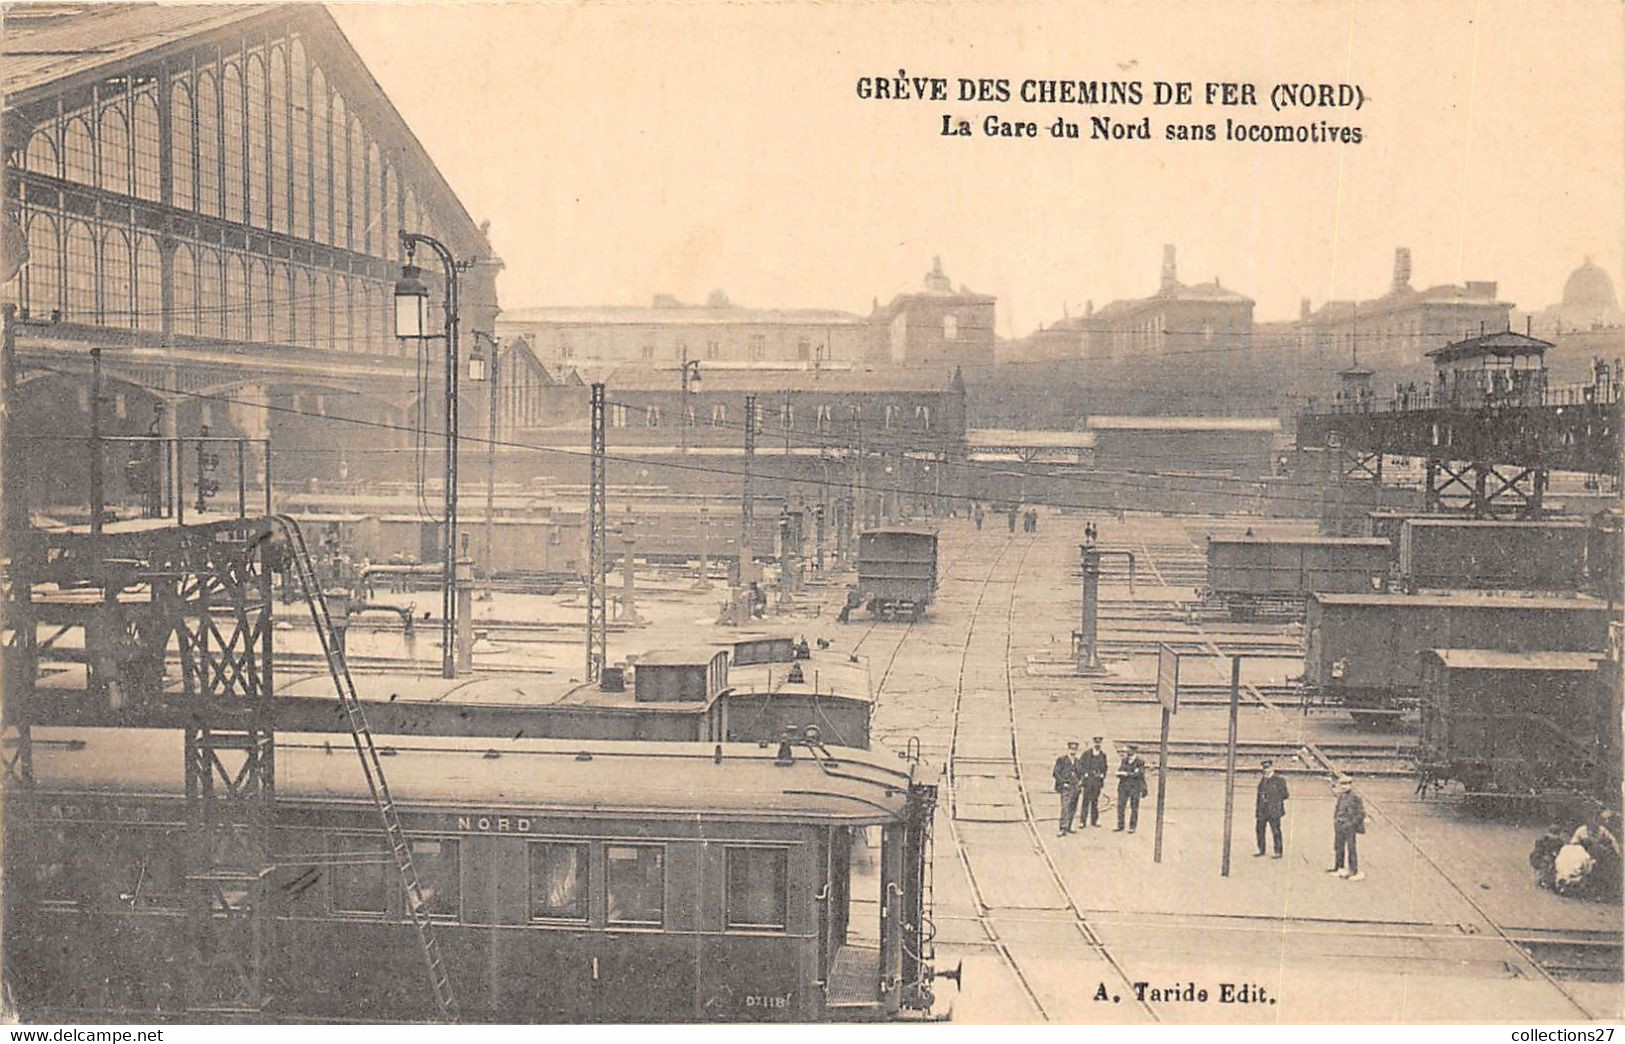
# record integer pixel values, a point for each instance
(1398, 328)
(668, 331)
(937, 327)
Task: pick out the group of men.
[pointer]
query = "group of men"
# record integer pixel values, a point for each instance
(1080, 777)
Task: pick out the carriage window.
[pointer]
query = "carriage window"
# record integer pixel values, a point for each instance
(558, 882)
(436, 863)
(636, 883)
(360, 874)
(757, 887)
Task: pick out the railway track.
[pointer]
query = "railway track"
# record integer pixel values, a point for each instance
(1357, 760)
(1565, 952)
(1567, 955)
(1005, 768)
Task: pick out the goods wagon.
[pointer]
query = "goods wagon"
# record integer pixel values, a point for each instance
(1363, 651)
(1513, 724)
(897, 570)
(1273, 575)
(652, 882)
(1492, 555)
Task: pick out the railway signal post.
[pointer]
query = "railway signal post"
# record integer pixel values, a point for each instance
(1229, 765)
(1168, 696)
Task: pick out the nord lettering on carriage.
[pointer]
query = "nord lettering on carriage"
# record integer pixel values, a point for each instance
(494, 824)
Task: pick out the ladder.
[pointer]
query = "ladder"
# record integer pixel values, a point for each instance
(372, 767)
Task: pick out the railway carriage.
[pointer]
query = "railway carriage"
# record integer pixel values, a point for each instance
(1363, 652)
(568, 881)
(1256, 576)
(1514, 724)
(897, 570)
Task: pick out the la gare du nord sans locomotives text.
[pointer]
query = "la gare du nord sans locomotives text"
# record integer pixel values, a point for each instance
(1280, 97)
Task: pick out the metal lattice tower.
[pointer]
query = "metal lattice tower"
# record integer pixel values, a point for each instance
(597, 544)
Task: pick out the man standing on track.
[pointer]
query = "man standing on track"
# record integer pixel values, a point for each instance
(1092, 769)
(1348, 823)
(1067, 774)
(1130, 787)
(1270, 807)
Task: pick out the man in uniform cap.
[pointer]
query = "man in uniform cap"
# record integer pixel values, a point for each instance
(1092, 769)
(1270, 806)
(1067, 777)
(1130, 787)
(1348, 823)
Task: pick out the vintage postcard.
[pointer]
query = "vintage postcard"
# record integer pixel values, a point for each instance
(851, 512)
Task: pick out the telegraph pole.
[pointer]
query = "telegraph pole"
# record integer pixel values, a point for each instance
(747, 506)
(597, 544)
(96, 495)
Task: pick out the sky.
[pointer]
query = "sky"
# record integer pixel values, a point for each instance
(626, 149)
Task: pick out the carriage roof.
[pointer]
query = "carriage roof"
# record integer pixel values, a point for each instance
(564, 777)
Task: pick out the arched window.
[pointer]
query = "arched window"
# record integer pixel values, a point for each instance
(237, 300)
(180, 146)
(208, 152)
(118, 282)
(358, 187)
(301, 142)
(891, 416)
(114, 130)
(44, 267)
(330, 313)
(344, 321)
(341, 173)
(950, 327)
(276, 148)
(391, 247)
(719, 415)
(231, 141)
(82, 274)
(370, 342)
(79, 153)
(321, 166)
(375, 243)
(922, 415)
(149, 284)
(259, 301)
(281, 311)
(184, 293)
(147, 177)
(42, 156)
(313, 303)
(259, 163)
(210, 300)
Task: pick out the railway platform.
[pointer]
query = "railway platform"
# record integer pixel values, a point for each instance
(1447, 926)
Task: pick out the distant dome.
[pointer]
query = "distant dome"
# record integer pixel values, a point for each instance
(1589, 287)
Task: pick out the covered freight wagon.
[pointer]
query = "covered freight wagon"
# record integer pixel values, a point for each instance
(1492, 555)
(1363, 651)
(897, 570)
(1513, 723)
(1253, 575)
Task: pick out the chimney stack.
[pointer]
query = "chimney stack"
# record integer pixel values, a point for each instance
(1170, 271)
(1402, 269)
(1304, 310)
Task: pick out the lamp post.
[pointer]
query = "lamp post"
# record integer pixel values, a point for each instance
(690, 374)
(411, 322)
(490, 452)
